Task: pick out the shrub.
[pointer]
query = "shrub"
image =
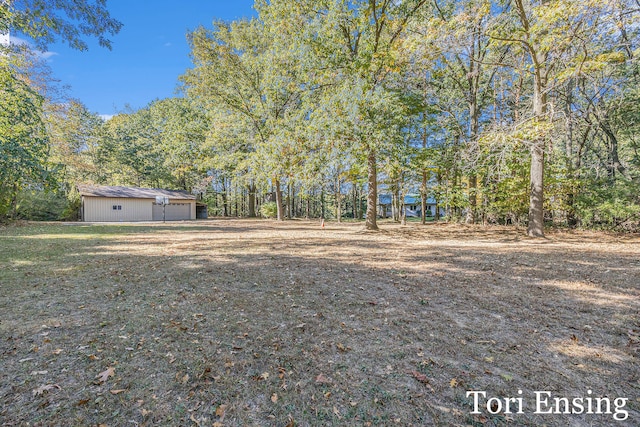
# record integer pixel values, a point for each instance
(269, 210)
(40, 205)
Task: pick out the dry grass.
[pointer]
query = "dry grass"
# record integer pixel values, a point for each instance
(260, 323)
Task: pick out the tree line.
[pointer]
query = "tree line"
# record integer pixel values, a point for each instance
(503, 111)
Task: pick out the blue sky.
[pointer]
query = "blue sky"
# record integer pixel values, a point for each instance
(148, 54)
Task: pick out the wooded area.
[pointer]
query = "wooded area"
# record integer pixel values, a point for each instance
(511, 112)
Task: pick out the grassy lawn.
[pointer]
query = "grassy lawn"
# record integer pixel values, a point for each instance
(232, 323)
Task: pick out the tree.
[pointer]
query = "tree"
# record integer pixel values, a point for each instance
(48, 20)
(23, 139)
(355, 48)
(240, 69)
(546, 32)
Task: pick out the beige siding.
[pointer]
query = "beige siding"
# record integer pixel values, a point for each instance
(97, 209)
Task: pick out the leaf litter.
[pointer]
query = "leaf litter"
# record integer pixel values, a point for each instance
(355, 327)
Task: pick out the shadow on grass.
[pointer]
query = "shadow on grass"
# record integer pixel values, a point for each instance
(323, 327)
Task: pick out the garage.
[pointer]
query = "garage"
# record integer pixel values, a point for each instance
(121, 204)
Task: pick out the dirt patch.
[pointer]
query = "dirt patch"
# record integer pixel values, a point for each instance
(265, 323)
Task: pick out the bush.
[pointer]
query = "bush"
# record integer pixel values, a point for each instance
(72, 211)
(40, 205)
(269, 210)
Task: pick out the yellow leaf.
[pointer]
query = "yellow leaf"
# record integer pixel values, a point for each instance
(453, 383)
(221, 410)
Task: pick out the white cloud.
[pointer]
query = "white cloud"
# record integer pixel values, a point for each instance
(106, 117)
(42, 55)
(168, 44)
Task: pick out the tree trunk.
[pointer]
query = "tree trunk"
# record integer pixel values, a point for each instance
(536, 176)
(338, 197)
(279, 204)
(423, 199)
(403, 209)
(473, 199)
(394, 205)
(354, 209)
(225, 199)
(372, 193)
(252, 200)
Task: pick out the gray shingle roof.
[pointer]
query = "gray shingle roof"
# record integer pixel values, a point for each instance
(131, 192)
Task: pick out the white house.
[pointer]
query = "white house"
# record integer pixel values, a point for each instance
(412, 206)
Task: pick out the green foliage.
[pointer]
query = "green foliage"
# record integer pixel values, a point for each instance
(71, 211)
(23, 140)
(602, 205)
(39, 205)
(269, 210)
(48, 20)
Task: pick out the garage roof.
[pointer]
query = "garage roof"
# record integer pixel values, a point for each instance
(131, 192)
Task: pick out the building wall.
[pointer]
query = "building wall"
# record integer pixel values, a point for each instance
(98, 209)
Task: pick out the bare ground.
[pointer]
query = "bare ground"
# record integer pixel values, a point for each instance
(229, 323)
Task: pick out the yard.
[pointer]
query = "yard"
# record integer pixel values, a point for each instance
(240, 322)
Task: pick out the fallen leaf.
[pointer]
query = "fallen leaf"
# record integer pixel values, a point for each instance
(48, 387)
(274, 397)
(144, 412)
(221, 410)
(118, 391)
(57, 351)
(218, 424)
(337, 413)
(192, 418)
(506, 377)
(453, 383)
(422, 378)
(39, 372)
(264, 376)
(321, 379)
(82, 402)
(184, 379)
(102, 377)
(341, 347)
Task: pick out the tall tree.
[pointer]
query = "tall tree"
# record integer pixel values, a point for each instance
(546, 32)
(355, 47)
(239, 69)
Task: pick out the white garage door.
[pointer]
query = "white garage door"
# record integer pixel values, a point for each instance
(178, 211)
(172, 212)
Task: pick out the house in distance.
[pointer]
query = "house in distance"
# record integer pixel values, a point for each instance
(123, 204)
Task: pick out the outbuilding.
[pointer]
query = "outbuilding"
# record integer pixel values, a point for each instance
(120, 204)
